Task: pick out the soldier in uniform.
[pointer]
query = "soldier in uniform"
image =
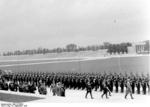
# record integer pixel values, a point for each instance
(60, 89)
(95, 83)
(1, 83)
(148, 86)
(101, 84)
(144, 85)
(105, 89)
(42, 89)
(89, 89)
(53, 88)
(24, 87)
(128, 89)
(13, 86)
(138, 85)
(111, 84)
(108, 85)
(47, 81)
(82, 84)
(133, 86)
(32, 87)
(122, 85)
(116, 84)
(5, 86)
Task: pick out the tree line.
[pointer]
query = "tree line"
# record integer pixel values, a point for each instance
(111, 48)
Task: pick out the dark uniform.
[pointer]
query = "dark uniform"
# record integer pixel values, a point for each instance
(144, 85)
(24, 87)
(101, 84)
(133, 86)
(42, 89)
(111, 85)
(138, 85)
(89, 89)
(116, 85)
(32, 87)
(105, 89)
(3, 85)
(122, 85)
(13, 86)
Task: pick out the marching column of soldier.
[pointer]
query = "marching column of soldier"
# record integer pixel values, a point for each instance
(29, 82)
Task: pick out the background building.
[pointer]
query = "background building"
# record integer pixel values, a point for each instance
(140, 47)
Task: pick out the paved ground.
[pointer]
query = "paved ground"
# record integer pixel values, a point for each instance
(72, 96)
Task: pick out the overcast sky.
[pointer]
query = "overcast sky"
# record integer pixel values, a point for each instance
(28, 24)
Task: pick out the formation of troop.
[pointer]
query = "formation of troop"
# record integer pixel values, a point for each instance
(58, 82)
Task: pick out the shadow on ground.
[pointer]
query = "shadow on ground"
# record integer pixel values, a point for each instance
(17, 98)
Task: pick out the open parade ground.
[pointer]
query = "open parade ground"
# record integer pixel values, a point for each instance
(115, 64)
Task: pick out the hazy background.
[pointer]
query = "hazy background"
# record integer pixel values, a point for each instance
(28, 24)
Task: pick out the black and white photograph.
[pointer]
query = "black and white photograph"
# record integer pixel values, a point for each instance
(81, 52)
